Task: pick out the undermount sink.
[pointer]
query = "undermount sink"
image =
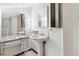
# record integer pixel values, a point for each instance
(39, 37)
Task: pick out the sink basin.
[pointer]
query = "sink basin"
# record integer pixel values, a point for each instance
(39, 37)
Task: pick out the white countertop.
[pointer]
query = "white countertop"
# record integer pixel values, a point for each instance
(12, 38)
(18, 37)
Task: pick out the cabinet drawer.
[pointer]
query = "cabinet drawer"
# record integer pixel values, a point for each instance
(12, 43)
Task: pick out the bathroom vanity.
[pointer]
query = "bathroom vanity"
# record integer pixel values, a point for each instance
(9, 45)
(12, 32)
(16, 41)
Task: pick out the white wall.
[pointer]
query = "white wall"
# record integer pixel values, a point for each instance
(0, 22)
(54, 45)
(71, 29)
(68, 28)
(76, 29)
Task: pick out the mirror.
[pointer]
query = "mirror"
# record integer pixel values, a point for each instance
(42, 17)
(12, 22)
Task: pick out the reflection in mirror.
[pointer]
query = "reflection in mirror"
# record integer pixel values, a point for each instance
(12, 22)
(42, 17)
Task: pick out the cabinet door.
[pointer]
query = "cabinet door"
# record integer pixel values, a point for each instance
(12, 48)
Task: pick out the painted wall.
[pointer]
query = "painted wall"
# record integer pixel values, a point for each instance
(71, 29)
(54, 45)
(75, 29)
(0, 23)
(68, 28)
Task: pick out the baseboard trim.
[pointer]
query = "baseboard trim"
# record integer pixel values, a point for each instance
(26, 51)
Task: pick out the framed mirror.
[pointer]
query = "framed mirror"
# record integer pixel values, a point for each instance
(12, 22)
